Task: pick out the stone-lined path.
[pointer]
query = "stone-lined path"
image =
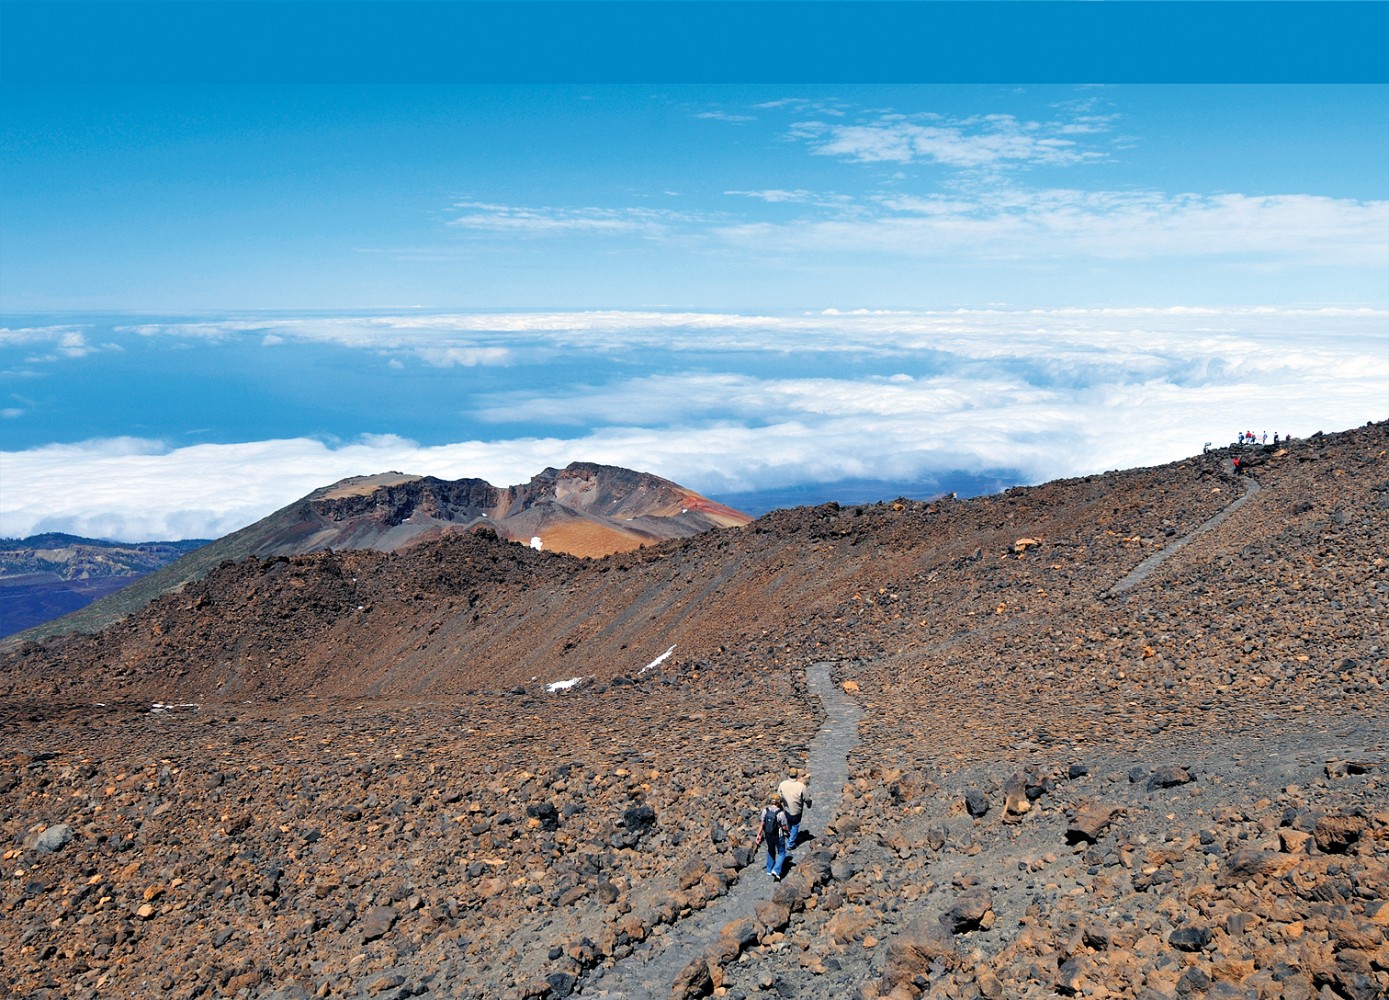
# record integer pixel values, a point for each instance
(651, 970)
(1146, 567)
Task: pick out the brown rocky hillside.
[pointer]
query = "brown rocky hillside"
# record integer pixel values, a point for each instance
(584, 509)
(1064, 781)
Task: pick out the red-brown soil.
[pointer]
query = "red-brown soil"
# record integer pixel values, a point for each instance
(376, 795)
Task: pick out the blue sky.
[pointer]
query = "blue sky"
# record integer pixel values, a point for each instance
(216, 297)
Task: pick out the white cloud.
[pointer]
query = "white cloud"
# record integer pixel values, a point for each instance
(799, 196)
(54, 343)
(830, 331)
(724, 116)
(463, 357)
(996, 222)
(973, 143)
(1063, 224)
(1046, 392)
(518, 220)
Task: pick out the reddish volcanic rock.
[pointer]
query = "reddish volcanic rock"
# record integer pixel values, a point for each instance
(360, 782)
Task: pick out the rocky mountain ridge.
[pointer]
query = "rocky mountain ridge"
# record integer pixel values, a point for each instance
(584, 509)
(360, 781)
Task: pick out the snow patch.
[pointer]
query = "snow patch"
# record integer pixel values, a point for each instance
(562, 685)
(657, 661)
(535, 542)
(160, 706)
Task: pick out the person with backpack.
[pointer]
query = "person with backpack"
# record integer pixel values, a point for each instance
(772, 829)
(796, 796)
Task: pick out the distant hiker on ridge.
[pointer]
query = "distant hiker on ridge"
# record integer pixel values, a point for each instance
(772, 828)
(796, 796)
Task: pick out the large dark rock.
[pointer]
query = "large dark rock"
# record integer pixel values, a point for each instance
(1168, 777)
(545, 813)
(968, 913)
(695, 980)
(1090, 820)
(1189, 938)
(976, 803)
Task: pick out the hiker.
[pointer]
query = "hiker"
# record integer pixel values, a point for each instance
(1237, 465)
(772, 828)
(796, 796)
(1275, 439)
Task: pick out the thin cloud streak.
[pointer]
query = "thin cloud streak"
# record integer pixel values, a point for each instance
(1065, 224)
(504, 337)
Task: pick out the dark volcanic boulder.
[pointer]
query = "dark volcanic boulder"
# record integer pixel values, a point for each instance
(636, 824)
(1168, 777)
(1189, 938)
(969, 912)
(545, 813)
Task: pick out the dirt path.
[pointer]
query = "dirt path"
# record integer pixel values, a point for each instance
(650, 971)
(1142, 571)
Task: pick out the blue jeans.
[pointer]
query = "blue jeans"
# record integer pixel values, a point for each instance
(795, 822)
(776, 857)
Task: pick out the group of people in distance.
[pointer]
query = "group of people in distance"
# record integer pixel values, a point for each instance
(1249, 437)
(780, 824)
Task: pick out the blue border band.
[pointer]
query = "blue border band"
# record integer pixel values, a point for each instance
(695, 41)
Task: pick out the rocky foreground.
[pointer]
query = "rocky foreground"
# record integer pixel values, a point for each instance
(1059, 787)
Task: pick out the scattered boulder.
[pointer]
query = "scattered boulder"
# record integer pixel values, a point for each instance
(1189, 938)
(545, 815)
(1338, 834)
(976, 803)
(1015, 798)
(1168, 777)
(1090, 820)
(54, 838)
(971, 911)
(695, 980)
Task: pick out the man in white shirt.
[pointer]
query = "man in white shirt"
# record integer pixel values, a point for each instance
(796, 797)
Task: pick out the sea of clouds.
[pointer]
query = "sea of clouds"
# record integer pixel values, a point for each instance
(897, 396)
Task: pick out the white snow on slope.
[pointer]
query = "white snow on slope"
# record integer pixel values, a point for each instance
(657, 661)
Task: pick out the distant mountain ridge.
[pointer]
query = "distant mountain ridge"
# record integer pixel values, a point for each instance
(60, 556)
(51, 574)
(584, 509)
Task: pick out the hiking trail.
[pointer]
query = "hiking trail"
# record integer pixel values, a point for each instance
(1144, 569)
(651, 970)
